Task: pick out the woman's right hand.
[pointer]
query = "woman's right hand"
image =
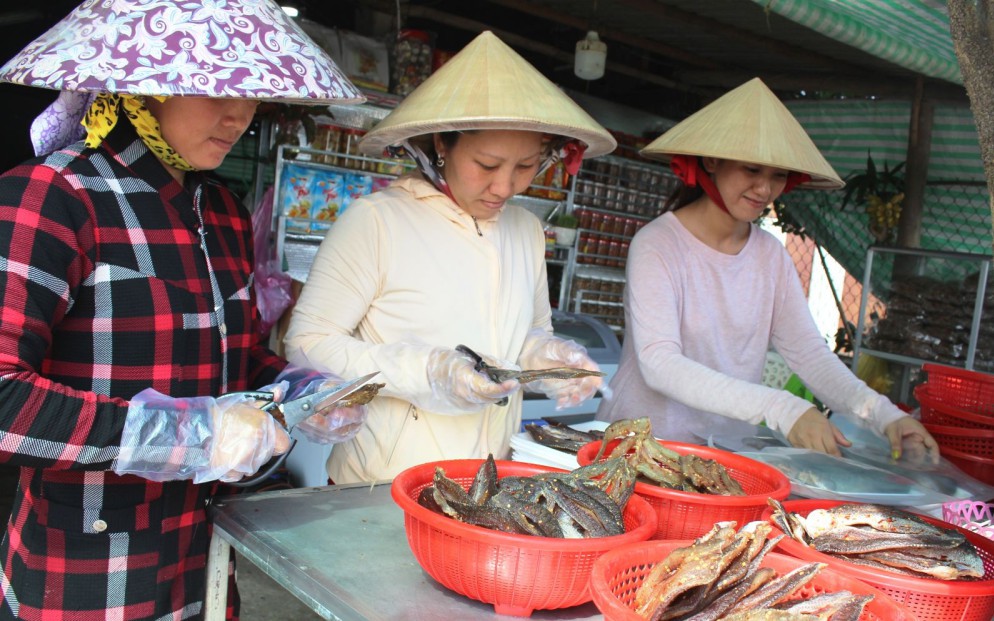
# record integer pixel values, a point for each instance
(455, 383)
(813, 431)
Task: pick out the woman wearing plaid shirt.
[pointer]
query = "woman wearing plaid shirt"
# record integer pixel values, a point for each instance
(128, 307)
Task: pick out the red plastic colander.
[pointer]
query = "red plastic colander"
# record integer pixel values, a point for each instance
(617, 576)
(516, 573)
(686, 515)
(927, 599)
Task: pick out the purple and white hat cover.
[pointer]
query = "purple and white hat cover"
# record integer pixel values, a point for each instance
(246, 49)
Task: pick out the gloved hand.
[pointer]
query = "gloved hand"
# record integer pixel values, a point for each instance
(328, 425)
(199, 438)
(457, 387)
(541, 350)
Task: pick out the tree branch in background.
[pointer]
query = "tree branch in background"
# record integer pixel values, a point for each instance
(971, 24)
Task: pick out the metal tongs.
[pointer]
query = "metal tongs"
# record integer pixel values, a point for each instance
(291, 413)
(499, 376)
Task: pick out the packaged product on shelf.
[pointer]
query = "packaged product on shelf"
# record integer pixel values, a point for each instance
(329, 192)
(327, 138)
(412, 60)
(356, 186)
(297, 197)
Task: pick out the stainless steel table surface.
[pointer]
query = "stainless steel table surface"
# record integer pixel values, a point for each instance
(343, 551)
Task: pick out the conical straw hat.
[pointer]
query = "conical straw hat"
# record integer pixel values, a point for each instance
(487, 85)
(200, 48)
(748, 124)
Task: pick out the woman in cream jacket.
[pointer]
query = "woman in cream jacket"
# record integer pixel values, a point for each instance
(439, 259)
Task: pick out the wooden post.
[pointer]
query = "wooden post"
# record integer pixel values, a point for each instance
(909, 228)
(216, 599)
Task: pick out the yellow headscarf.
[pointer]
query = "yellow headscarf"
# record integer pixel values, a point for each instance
(102, 116)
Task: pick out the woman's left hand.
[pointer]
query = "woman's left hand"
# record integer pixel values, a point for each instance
(813, 431)
(907, 435)
(546, 352)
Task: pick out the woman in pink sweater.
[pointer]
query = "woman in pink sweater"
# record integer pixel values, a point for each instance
(708, 292)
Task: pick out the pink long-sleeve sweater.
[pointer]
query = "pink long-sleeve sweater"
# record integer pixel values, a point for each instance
(698, 325)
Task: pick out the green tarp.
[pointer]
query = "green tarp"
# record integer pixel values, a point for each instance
(911, 33)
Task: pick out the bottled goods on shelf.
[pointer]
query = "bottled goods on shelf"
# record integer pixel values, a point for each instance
(600, 295)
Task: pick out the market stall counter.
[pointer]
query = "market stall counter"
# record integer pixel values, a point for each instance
(341, 550)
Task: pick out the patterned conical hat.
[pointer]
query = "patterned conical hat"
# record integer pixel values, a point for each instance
(487, 85)
(203, 48)
(748, 124)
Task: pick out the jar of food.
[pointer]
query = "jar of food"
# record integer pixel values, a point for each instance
(412, 59)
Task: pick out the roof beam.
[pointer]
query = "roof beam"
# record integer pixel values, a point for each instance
(456, 21)
(607, 33)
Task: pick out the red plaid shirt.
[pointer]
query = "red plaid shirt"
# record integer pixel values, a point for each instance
(114, 278)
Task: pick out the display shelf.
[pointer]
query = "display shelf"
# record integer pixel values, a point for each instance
(922, 306)
(613, 197)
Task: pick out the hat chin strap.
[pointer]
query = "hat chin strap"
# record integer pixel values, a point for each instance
(687, 168)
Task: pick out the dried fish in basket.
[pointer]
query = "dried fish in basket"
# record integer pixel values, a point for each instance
(884, 538)
(587, 502)
(720, 576)
(662, 466)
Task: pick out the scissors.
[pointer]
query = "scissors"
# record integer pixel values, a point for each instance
(291, 413)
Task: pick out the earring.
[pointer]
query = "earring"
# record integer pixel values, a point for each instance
(439, 161)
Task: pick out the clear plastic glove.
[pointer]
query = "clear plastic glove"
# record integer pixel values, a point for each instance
(457, 387)
(813, 431)
(544, 351)
(199, 438)
(328, 424)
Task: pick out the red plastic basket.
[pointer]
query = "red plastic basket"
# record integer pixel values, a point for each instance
(976, 442)
(927, 599)
(935, 411)
(980, 468)
(618, 574)
(516, 573)
(957, 397)
(972, 391)
(686, 515)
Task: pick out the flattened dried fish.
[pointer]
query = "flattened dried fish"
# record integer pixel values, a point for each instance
(884, 538)
(546, 504)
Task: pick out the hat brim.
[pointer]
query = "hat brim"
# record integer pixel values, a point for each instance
(245, 49)
(597, 144)
(748, 124)
(488, 86)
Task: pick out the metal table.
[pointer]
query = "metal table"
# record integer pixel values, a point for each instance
(342, 550)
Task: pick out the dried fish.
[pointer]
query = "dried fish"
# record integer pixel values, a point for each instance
(718, 578)
(662, 466)
(884, 538)
(545, 504)
(561, 437)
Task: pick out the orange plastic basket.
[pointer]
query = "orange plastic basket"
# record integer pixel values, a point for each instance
(618, 574)
(686, 515)
(927, 599)
(516, 573)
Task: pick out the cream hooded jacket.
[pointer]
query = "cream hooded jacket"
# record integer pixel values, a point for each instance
(402, 271)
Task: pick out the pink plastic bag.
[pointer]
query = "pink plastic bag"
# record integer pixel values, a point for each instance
(272, 284)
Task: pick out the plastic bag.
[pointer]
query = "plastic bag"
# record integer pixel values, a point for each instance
(272, 284)
(865, 473)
